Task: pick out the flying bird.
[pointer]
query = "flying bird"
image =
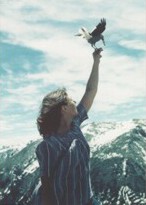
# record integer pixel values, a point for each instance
(95, 35)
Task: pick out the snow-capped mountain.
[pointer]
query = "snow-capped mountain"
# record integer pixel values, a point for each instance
(118, 164)
(118, 161)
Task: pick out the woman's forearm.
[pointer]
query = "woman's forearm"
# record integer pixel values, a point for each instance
(92, 83)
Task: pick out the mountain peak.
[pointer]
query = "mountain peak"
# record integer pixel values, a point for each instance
(118, 162)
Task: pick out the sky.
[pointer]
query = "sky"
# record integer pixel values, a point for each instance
(39, 53)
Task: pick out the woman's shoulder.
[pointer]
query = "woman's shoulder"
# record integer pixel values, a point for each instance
(49, 143)
(81, 116)
(41, 146)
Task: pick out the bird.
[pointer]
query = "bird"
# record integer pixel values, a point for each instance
(95, 35)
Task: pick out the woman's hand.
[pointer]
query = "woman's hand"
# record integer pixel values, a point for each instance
(97, 54)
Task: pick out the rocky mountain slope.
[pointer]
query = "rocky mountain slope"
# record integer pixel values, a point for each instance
(118, 164)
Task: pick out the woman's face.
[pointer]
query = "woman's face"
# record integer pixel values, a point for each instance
(70, 108)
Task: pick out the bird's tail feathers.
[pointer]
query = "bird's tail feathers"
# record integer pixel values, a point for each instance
(80, 33)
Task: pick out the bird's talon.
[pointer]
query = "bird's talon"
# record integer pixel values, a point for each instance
(98, 49)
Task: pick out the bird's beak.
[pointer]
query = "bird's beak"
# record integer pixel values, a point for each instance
(102, 38)
(103, 41)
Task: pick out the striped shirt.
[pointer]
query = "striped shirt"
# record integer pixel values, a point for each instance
(65, 160)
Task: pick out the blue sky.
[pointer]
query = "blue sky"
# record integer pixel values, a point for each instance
(39, 53)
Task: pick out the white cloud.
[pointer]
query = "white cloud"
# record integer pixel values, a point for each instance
(24, 90)
(30, 24)
(134, 44)
(25, 17)
(117, 79)
(122, 77)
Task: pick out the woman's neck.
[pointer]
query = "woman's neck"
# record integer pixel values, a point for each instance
(64, 127)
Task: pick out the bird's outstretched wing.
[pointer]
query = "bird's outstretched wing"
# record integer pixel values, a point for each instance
(99, 28)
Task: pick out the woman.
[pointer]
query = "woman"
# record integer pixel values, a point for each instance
(63, 154)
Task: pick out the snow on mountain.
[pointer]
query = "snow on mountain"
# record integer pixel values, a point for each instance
(118, 164)
(118, 168)
(101, 133)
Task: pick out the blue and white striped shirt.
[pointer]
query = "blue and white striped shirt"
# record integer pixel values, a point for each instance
(71, 177)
